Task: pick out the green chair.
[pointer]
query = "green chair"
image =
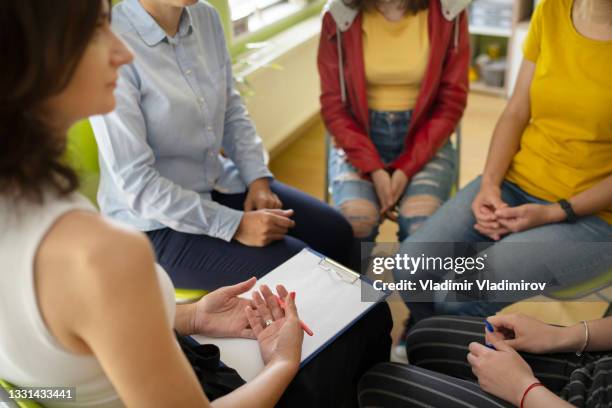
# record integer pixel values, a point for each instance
(82, 155)
(595, 286)
(6, 387)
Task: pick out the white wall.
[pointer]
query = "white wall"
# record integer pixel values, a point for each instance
(284, 99)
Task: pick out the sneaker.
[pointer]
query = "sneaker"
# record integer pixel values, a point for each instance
(398, 352)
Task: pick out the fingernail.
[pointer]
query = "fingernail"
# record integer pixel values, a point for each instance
(492, 347)
(489, 326)
(292, 294)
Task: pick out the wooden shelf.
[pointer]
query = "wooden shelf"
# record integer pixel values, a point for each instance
(481, 87)
(521, 12)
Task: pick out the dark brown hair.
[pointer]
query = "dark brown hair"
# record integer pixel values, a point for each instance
(41, 43)
(411, 6)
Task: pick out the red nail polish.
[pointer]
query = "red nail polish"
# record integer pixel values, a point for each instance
(292, 294)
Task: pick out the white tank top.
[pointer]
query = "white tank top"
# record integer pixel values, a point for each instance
(29, 355)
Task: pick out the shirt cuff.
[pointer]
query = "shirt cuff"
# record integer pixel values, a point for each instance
(225, 223)
(251, 174)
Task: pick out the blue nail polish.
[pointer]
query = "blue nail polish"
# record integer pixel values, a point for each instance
(489, 327)
(492, 347)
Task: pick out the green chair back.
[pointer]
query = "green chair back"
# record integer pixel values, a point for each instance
(21, 403)
(593, 286)
(82, 155)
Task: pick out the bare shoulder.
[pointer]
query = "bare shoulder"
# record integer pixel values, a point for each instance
(87, 268)
(87, 249)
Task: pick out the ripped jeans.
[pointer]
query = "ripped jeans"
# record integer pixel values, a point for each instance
(356, 198)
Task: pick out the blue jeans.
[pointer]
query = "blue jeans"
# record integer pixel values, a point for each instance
(454, 221)
(427, 190)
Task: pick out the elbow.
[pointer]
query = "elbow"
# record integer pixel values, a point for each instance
(519, 115)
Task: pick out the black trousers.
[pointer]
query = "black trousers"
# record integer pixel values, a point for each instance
(330, 379)
(439, 374)
(203, 262)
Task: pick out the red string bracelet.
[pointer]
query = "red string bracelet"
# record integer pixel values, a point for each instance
(531, 387)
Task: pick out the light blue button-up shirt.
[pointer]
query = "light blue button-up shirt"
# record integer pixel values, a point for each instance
(176, 109)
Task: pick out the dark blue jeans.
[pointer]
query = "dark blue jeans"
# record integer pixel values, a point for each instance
(203, 262)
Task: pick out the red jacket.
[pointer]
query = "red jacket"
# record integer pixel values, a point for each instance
(439, 106)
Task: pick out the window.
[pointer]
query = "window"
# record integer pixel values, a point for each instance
(249, 16)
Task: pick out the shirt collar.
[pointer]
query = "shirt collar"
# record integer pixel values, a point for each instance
(148, 29)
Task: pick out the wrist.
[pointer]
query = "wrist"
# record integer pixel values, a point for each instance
(523, 385)
(556, 213)
(185, 320)
(569, 215)
(289, 365)
(260, 183)
(199, 319)
(530, 398)
(573, 338)
(490, 181)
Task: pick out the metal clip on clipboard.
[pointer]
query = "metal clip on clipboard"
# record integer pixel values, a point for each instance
(339, 271)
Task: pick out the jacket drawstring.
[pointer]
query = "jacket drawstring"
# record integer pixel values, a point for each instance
(456, 33)
(341, 65)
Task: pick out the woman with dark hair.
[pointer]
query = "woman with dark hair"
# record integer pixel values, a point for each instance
(393, 88)
(82, 303)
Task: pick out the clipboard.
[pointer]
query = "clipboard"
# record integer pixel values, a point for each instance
(329, 301)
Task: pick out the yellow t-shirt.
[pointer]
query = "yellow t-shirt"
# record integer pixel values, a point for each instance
(395, 57)
(567, 146)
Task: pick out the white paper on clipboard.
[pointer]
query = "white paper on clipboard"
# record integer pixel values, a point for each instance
(328, 299)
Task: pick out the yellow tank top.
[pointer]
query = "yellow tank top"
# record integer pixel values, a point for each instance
(395, 58)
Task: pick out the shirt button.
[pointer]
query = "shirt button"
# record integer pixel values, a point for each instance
(188, 72)
(201, 100)
(209, 128)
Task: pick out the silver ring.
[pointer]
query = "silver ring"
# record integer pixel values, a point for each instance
(268, 322)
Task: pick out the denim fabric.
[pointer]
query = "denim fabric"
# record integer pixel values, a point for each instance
(454, 222)
(388, 131)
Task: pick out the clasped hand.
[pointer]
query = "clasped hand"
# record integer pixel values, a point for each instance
(389, 188)
(264, 220)
(495, 219)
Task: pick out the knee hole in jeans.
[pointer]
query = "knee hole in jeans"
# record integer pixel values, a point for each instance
(362, 215)
(422, 205)
(348, 176)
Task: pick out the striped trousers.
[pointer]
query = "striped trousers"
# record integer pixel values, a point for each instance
(440, 376)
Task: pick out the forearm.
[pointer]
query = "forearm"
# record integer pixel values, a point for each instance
(504, 145)
(184, 319)
(264, 390)
(542, 397)
(594, 199)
